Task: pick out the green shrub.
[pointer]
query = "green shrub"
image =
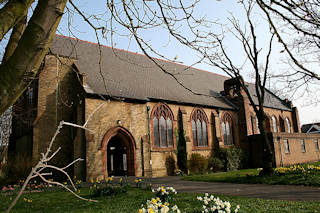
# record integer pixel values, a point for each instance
(232, 158)
(197, 164)
(3, 170)
(170, 165)
(19, 166)
(106, 188)
(215, 164)
(181, 146)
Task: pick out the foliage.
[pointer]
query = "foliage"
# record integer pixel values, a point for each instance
(19, 167)
(165, 194)
(3, 171)
(215, 164)
(213, 204)
(197, 164)
(105, 188)
(170, 165)
(181, 147)
(155, 205)
(32, 186)
(138, 182)
(297, 169)
(232, 158)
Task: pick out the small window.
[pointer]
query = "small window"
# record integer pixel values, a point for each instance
(30, 95)
(303, 146)
(252, 124)
(199, 122)
(227, 129)
(288, 125)
(162, 127)
(316, 144)
(257, 125)
(286, 146)
(274, 124)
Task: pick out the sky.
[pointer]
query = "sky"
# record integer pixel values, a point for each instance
(74, 26)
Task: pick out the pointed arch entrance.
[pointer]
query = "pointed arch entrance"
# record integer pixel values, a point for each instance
(118, 153)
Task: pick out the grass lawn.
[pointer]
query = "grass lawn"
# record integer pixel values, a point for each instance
(251, 176)
(61, 201)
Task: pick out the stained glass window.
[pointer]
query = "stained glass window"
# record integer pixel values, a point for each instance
(288, 125)
(227, 129)
(199, 122)
(162, 126)
(274, 124)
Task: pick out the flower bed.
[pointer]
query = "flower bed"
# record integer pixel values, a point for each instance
(160, 204)
(297, 169)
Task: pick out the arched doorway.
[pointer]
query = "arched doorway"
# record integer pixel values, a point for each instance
(118, 149)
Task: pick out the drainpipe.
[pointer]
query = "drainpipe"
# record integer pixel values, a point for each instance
(57, 88)
(142, 156)
(149, 138)
(279, 142)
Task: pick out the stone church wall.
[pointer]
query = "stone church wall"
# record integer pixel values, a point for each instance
(58, 99)
(134, 118)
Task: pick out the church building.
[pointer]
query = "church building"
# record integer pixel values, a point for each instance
(134, 111)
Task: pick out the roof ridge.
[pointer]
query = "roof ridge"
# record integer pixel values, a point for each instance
(123, 50)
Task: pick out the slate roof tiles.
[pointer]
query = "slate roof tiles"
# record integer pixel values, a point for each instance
(134, 76)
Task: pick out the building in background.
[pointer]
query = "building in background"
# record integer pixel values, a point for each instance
(311, 128)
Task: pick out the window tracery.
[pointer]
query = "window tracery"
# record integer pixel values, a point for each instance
(227, 129)
(199, 123)
(162, 126)
(288, 125)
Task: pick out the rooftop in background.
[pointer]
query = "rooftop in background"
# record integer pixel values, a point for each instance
(311, 128)
(130, 75)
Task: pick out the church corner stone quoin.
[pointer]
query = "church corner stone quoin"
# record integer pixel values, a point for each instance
(135, 130)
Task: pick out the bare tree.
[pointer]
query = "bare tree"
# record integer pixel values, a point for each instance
(247, 36)
(203, 37)
(40, 170)
(296, 23)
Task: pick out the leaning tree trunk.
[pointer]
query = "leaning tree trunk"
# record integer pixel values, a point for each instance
(12, 13)
(22, 66)
(15, 37)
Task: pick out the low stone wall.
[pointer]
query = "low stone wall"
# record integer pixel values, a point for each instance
(294, 148)
(289, 148)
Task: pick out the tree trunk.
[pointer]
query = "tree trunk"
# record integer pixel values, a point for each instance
(12, 13)
(267, 150)
(20, 69)
(14, 38)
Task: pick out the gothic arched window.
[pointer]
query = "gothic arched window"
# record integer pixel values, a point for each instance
(162, 126)
(288, 125)
(227, 129)
(199, 123)
(274, 124)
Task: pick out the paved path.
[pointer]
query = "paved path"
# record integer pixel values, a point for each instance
(274, 192)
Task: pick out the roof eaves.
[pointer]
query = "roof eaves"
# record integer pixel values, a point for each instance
(277, 97)
(191, 104)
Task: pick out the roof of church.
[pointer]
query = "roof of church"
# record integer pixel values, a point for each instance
(125, 74)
